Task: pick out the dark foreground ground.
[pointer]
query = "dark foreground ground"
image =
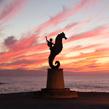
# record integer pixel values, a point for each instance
(86, 100)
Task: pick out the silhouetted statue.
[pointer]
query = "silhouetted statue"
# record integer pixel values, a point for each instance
(56, 49)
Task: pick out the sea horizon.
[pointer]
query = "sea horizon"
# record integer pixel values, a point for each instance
(75, 83)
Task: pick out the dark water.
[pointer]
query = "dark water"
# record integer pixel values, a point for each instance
(77, 83)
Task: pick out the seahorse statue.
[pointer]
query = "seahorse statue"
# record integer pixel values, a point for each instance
(55, 50)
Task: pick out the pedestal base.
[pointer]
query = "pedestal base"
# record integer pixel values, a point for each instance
(56, 93)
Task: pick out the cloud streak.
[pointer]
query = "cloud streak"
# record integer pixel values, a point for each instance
(10, 10)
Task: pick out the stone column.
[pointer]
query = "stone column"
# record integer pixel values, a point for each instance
(55, 79)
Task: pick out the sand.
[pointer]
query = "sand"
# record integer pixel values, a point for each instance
(86, 100)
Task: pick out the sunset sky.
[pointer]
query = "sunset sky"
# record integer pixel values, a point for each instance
(25, 23)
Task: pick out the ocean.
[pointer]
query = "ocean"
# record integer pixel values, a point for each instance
(75, 83)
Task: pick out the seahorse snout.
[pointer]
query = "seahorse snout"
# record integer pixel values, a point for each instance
(65, 38)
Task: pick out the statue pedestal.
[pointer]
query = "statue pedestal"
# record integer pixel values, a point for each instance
(55, 79)
(55, 86)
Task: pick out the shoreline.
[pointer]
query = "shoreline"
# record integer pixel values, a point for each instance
(27, 100)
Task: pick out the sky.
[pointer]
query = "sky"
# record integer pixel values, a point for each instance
(25, 23)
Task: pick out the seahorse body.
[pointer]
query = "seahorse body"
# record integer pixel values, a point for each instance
(56, 50)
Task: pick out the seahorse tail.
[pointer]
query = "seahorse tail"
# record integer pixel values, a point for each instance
(57, 63)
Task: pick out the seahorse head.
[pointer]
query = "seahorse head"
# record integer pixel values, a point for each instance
(62, 35)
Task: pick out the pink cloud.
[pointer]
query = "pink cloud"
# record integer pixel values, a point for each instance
(11, 9)
(61, 17)
(78, 48)
(74, 25)
(96, 32)
(22, 49)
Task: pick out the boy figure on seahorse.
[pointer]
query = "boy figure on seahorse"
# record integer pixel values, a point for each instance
(49, 43)
(55, 49)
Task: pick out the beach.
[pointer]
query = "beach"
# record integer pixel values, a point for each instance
(27, 100)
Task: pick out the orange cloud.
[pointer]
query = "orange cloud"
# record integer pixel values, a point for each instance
(87, 62)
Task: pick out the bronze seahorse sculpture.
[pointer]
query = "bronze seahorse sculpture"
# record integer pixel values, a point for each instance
(55, 50)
